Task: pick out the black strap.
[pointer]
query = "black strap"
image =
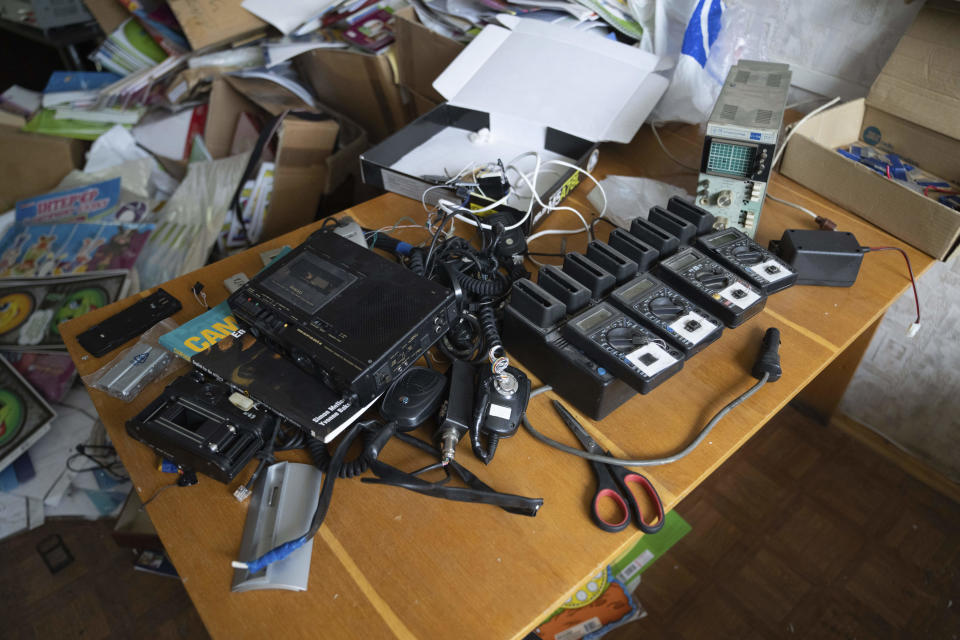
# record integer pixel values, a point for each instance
(476, 490)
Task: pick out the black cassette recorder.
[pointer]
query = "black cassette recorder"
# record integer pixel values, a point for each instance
(345, 314)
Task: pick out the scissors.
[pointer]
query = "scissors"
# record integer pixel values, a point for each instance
(614, 482)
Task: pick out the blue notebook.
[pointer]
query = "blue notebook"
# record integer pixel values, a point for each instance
(79, 81)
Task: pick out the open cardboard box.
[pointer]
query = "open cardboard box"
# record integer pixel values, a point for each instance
(422, 55)
(536, 87)
(358, 84)
(913, 109)
(33, 163)
(315, 155)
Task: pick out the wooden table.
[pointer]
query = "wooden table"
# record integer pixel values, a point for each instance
(391, 563)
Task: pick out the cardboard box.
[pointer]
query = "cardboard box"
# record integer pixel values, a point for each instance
(913, 109)
(422, 55)
(302, 173)
(213, 22)
(31, 163)
(358, 85)
(226, 105)
(109, 14)
(317, 150)
(421, 104)
(536, 88)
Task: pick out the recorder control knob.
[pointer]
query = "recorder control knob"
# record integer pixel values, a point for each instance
(626, 339)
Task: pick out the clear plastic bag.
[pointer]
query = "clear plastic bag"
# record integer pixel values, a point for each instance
(125, 376)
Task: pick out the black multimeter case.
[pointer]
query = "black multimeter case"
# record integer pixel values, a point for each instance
(631, 352)
(713, 286)
(734, 249)
(681, 322)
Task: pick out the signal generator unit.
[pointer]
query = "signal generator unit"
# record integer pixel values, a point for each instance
(741, 139)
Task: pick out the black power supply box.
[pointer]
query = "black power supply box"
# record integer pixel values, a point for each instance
(344, 314)
(820, 257)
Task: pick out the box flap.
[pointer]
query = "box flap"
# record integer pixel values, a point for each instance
(573, 81)
(921, 81)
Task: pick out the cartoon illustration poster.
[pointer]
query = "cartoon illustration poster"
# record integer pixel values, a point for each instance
(78, 204)
(31, 310)
(56, 249)
(22, 412)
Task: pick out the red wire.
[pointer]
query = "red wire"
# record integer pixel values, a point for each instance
(913, 280)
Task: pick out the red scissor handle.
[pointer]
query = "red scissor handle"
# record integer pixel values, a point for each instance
(606, 525)
(635, 478)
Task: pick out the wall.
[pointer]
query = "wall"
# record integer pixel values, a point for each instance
(908, 389)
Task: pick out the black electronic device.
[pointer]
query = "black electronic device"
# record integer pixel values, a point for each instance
(542, 349)
(657, 237)
(501, 401)
(344, 314)
(713, 286)
(456, 412)
(125, 325)
(669, 314)
(612, 261)
(702, 219)
(589, 274)
(736, 250)
(413, 397)
(825, 258)
(634, 248)
(564, 288)
(631, 352)
(535, 303)
(684, 231)
(193, 424)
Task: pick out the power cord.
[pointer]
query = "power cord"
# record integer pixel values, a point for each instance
(915, 327)
(766, 369)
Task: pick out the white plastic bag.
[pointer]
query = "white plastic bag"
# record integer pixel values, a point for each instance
(628, 197)
(705, 49)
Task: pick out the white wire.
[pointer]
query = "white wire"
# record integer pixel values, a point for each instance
(529, 179)
(792, 204)
(656, 135)
(796, 125)
(558, 232)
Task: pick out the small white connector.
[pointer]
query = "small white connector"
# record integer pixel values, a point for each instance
(241, 493)
(913, 330)
(239, 565)
(240, 401)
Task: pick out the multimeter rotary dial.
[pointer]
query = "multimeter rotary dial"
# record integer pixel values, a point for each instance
(626, 339)
(747, 254)
(713, 279)
(666, 308)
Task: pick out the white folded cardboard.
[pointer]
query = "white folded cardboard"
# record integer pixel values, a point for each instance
(545, 75)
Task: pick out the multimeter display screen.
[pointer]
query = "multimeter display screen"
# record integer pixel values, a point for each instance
(638, 289)
(730, 159)
(722, 239)
(595, 319)
(682, 262)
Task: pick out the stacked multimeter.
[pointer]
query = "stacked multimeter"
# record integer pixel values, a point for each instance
(622, 318)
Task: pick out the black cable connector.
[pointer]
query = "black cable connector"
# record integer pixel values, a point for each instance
(768, 361)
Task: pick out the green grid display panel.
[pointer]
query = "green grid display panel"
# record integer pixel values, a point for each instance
(730, 159)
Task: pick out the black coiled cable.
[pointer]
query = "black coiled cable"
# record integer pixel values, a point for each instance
(488, 328)
(494, 287)
(350, 468)
(415, 262)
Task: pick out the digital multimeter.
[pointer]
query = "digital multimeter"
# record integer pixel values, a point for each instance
(713, 286)
(667, 313)
(736, 250)
(631, 352)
